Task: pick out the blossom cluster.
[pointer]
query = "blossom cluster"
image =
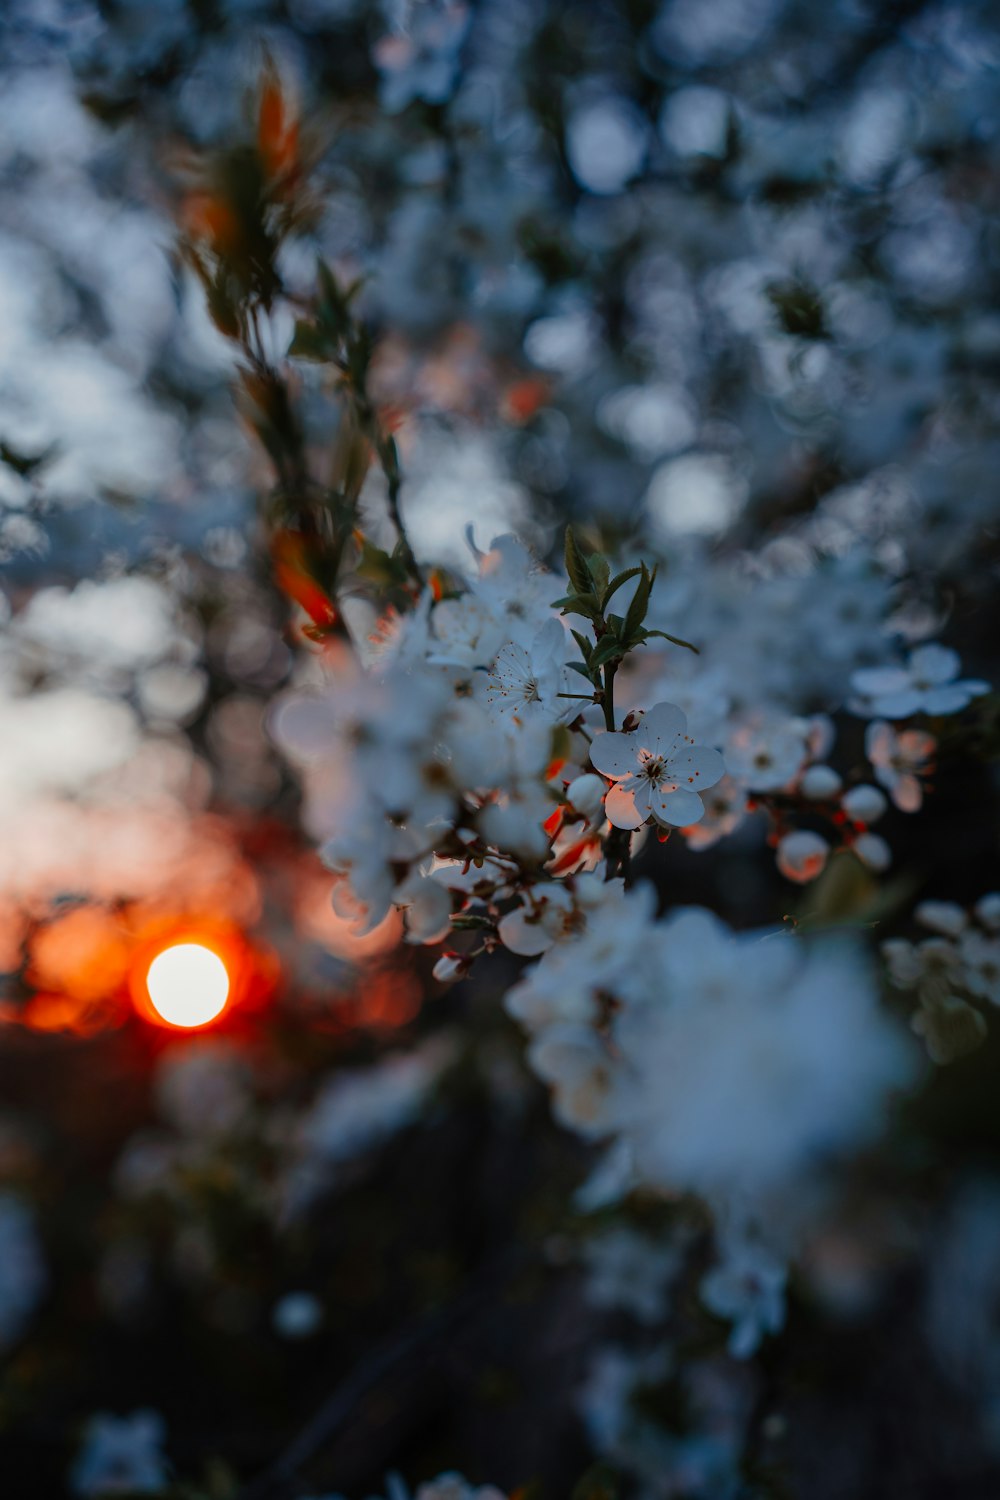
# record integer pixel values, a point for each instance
(454, 769)
(951, 972)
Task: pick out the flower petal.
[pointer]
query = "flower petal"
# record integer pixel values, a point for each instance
(899, 705)
(950, 699)
(916, 746)
(679, 809)
(873, 682)
(880, 739)
(696, 766)
(521, 936)
(614, 755)
(908, 794)
(662, 724)
(934, 664)
(621, 810)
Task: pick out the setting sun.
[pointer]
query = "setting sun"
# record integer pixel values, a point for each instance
(188, 984)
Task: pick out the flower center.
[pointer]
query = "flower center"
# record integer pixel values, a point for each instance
(653, 769)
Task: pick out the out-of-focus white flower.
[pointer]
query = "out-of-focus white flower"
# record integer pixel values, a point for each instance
(725, 807)
(297, 1315)
(764, 755)
(900, 761)
(605, 953)
(946, 917)
(605, 143)
(22, 1272)
(657, 771)
(527, 682)
(466, 633)
(546, 912)
(927, 684)
(122, 1455)
(864, 804)
(513, 589)
(819, 783)
(749, 1061)
(987, 910)
(948, 972)
(427, 906)
(583, 1076)
(586, 793)
(903, 961)
(873, 851)
(631, 1271)
(362, 1107)
(747, 1289)
(802, 855)
(980, 957)
(419, 59)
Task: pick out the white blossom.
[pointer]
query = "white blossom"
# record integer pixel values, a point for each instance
(819, 783)
(873, 851)
(748, 1289)
(526, 681)
(946, 917)
(657, 771)
(122, 1455)
(864, 804)
(766, 754)
(802, 855)
(927, 684)
(900, 761)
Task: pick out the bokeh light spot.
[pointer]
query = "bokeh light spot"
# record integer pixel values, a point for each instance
(188, 984)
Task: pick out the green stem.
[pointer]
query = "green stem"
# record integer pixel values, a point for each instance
(609, 694)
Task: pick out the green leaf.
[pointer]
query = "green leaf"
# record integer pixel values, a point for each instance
(576, 565)
(579, 604)
(579, 666)
(598, 568)
(615, 584)
(609, 649)
(640, 602)
(308, 342)
(586, 649)
(379, 567)
(333, 303)
(675, 640)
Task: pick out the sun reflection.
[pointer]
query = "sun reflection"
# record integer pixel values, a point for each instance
(187, 984)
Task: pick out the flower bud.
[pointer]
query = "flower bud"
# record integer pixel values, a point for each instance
(451, 966)
(873, 851)
(820, 782)
(864, 804)
(802, 856)
(586, 793)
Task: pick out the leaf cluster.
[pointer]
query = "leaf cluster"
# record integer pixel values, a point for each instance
(615, 635)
